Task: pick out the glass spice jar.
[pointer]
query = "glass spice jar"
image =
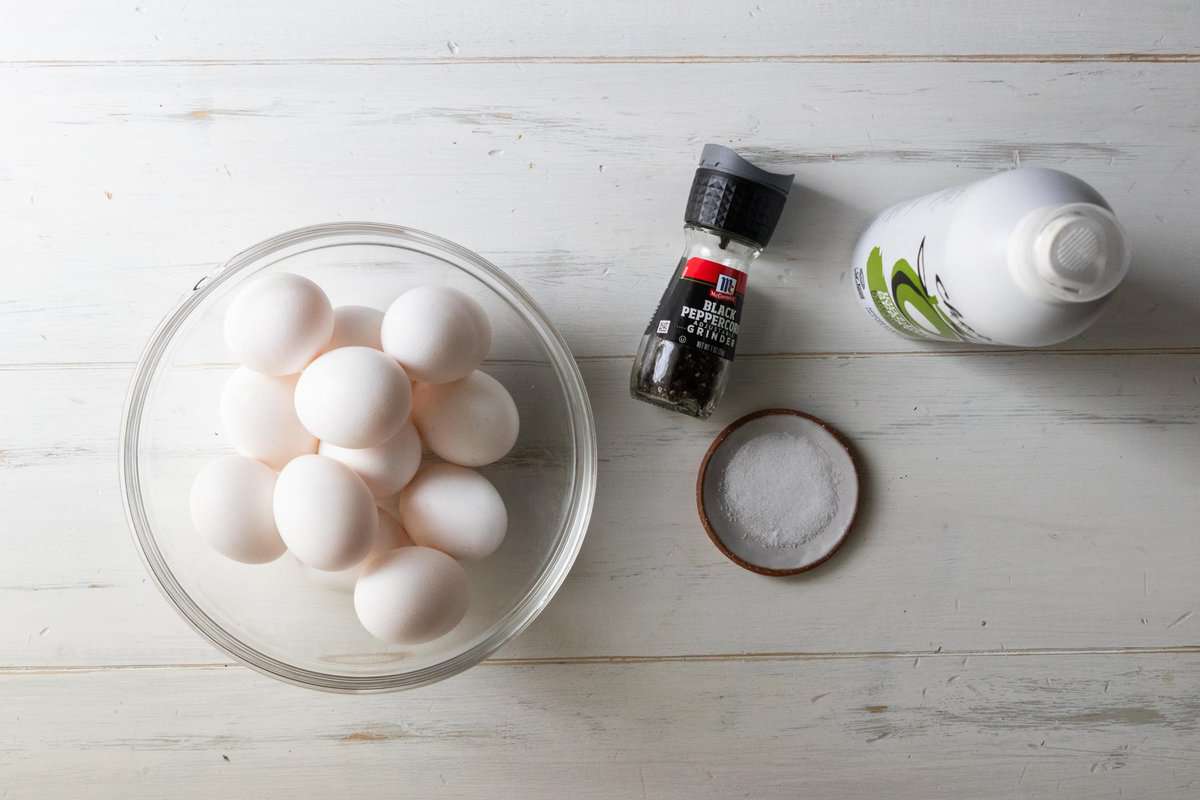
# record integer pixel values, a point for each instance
(685, 356)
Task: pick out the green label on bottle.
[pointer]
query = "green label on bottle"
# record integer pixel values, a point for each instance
(904, 301)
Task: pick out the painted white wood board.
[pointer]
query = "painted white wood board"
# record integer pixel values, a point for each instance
(460, 30)
(1094, 726)
(1050, 495)
(507, 159)
(1000, 492)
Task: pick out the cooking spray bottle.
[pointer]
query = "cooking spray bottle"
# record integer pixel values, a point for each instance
(1027, 258)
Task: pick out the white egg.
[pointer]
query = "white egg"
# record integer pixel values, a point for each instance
(278, 323)
(455, 510)
(231, 504)
(390, 535)
(258, 413)
(324, 512)
(437, 333)
(353, 397)
(355, 326)
(411, 595)
(386, 468)
(471, 422)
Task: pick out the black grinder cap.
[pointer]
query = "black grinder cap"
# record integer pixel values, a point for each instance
(733, 196)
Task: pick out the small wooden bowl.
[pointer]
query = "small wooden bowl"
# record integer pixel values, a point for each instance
(748, 554)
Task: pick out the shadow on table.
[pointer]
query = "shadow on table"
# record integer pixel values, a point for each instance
(1133, 377)
(1147, 312)
(808, 258)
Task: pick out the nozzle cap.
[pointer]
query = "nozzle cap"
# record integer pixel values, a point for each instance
(1074, 253)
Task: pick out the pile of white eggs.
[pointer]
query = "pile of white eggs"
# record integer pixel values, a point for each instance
(329, 412)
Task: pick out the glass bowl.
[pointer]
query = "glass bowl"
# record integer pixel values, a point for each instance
(274, 617)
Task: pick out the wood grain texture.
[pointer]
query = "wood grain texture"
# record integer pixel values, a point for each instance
(934, 727)
(124, 186)
(1016, 615)
(453, 30)
(1001, 491)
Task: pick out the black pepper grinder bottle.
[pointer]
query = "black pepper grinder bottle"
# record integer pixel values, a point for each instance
(685, 356)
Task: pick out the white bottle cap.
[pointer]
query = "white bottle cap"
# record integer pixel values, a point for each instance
(1075, 252)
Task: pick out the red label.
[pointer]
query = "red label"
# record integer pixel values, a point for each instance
(724, 280)
(701, 308)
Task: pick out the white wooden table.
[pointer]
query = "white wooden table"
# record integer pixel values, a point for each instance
(1017, 615)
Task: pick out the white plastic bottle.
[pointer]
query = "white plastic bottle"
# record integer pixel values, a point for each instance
(1027, 258)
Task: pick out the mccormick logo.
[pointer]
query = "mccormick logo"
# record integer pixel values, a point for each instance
(726, 285)
(726, 282)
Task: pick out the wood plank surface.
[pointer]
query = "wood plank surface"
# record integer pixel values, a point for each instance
(459, 30)
(124, 186)
(1001, 490)
(1016, 615)
(934, 727)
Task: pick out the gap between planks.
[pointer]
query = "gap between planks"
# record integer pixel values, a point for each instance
(52, 366)
(948, 353)
(813, 58)
(550, 661)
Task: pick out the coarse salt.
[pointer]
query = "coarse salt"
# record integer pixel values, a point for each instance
(781, 489)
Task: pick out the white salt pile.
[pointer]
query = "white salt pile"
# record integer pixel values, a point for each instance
(780, 489)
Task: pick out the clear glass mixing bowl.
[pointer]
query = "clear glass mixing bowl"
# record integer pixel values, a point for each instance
(273, 617)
